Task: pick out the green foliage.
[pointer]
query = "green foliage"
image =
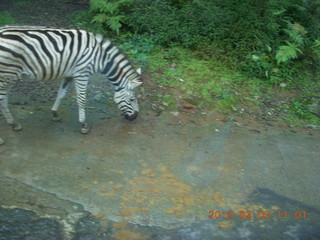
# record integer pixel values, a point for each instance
(290, 51)
(83, 21)
(185, 22)
(278, 65)
(137, 47)
(297, 108)
(267, 40)
(316, 48)
(6, 18)
(157, 18)
(296, 33)
(287, 52)
(238, 28)
(109, 13)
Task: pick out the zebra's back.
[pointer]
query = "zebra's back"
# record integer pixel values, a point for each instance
(45, 53)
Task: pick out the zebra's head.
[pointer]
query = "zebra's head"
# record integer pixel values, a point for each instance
(126, 99)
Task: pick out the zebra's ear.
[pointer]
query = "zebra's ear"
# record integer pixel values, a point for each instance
(134, 83)
(139, 71)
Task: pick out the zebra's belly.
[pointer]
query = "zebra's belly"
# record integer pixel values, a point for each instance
(49, 74)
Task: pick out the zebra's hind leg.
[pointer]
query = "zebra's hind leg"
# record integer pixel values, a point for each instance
(64, 85)
(6, 112)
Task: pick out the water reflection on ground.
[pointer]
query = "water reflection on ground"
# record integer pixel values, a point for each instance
(190, 175)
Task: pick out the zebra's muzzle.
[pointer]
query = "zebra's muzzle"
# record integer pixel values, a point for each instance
(132, 117)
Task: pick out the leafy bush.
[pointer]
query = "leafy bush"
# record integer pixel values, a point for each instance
(294, 32)
(110, 13)
(157, 18)
(241, 27)
(184, 22)
(83, 19)
(138, 47)
(188, 23)
(271, 39)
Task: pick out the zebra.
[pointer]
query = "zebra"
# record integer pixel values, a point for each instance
(72, 55)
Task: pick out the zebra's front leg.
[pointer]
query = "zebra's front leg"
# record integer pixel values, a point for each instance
(81, 88)
(6, 112)
(64, 85)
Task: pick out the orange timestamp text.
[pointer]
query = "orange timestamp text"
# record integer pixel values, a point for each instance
(263, 214)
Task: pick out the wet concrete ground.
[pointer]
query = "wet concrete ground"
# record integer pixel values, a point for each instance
(192, 176)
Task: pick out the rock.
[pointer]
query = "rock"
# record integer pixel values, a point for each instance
(187, 105)
(173, 67)
(312, 126)
(191, 98)
(165, 104)
(174, 113)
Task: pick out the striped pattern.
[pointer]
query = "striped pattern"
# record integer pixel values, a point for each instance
(68, 54)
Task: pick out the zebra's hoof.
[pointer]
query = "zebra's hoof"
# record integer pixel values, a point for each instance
(85, 128)
(16, 127)
(55, 117)
(1, 141)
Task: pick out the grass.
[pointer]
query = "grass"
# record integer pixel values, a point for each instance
(299, 112)
(213, 84)
(205, 83)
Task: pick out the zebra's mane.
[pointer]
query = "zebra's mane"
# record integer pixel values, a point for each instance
(107, 43)
(32, 27)
(25, 27)
(99, 38)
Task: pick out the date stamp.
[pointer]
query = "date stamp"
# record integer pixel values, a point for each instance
(264, 214)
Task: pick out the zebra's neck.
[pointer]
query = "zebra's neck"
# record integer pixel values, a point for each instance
(115, 65)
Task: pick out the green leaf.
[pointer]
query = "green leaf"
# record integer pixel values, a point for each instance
(97, 5)
(115, 23)
(110, 8)
(287, 52)
(100, 18)
(278, 12)
(294, 36)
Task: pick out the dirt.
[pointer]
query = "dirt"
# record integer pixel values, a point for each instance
(55, 13)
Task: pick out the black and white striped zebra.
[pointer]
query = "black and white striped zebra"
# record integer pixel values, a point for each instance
(72, 55)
